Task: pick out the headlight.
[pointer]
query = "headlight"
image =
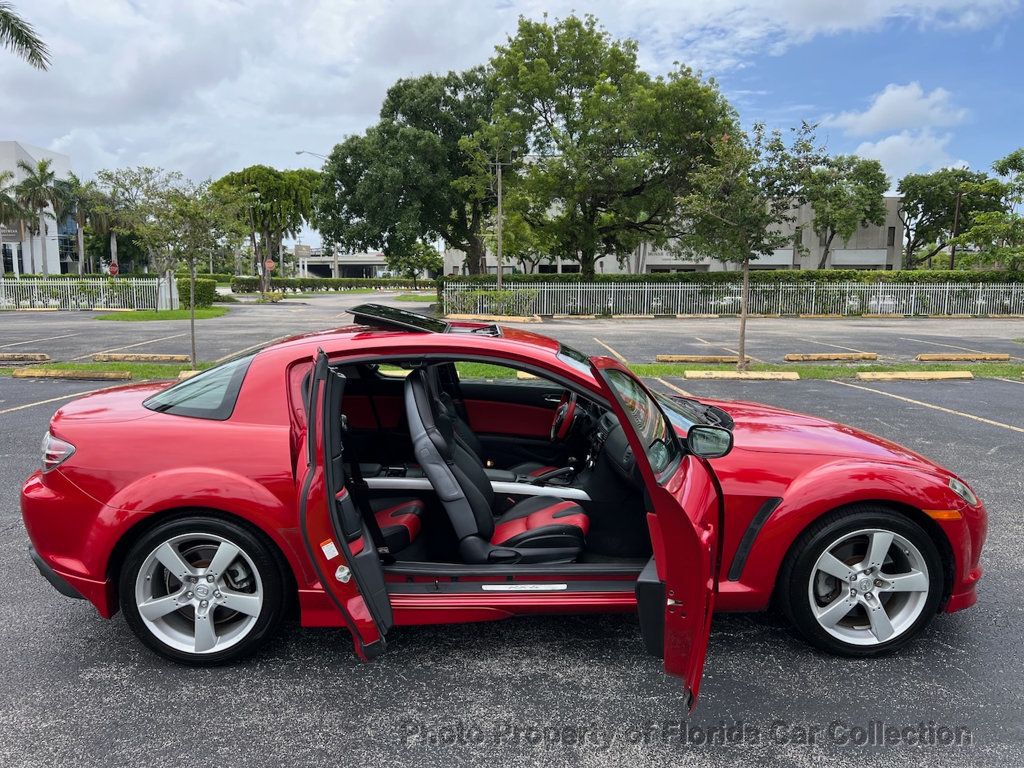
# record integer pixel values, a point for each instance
(959, 487)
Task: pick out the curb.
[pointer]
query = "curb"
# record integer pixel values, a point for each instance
(57, 373)
(23, 357)
(977, 357)
(140, 358)
(697, 317)
(821, 317)
(914, 375)
(816, 356)
(744, 375)
(698, 358)
(498, 318)
(876, 316)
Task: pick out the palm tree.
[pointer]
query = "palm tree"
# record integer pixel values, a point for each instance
(11, 213)
(78, 199)
(39, 191)
(17, 35)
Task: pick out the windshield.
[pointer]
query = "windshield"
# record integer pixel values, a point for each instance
(656, 434)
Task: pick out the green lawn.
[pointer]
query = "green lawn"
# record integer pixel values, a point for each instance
(420, 298)
(144, 315)
(138, 370)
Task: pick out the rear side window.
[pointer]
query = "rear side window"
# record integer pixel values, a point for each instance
(208, 395)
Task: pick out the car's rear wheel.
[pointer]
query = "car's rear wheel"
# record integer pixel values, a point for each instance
(201, 590)
(862, 581)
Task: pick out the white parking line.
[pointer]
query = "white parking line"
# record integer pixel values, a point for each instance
(1012, 381)
(52, 400)
(33, 341)
(934, 407)
(826, 344)
(620, 357)
(954, 346)
(129, 346)
(737, 353)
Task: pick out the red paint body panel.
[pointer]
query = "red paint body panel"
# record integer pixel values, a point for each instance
(248, 465)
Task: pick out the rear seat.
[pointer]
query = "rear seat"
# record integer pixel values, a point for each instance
(400, 520)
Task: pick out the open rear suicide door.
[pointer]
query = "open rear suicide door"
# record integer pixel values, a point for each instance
(676, 592)
(337, 539)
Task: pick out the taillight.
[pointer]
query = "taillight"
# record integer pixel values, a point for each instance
(55, 451)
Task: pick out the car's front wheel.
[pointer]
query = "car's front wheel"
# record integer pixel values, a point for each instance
(201, 590)
(862, 581)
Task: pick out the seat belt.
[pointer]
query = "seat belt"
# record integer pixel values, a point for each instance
(361, 494)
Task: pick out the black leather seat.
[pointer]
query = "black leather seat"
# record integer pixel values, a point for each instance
(537, 529)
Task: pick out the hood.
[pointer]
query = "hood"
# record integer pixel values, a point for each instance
(776, 430)
(109, 405)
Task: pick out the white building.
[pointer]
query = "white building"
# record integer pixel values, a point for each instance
(59, 240)
(871, 247)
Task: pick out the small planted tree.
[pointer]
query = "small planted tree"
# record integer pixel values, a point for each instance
(414, 260)
(998, 235)
(744, 197)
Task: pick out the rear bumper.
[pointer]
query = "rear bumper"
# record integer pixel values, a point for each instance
(56, 580)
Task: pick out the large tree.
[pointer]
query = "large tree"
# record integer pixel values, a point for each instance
(17, 35)
(79, 199)
(274, 205)
(612, 148)
(40, 192)
(998, 235)
(125, 205)
(409, 177)
(846, 192)
(936, 206)
(744, 199)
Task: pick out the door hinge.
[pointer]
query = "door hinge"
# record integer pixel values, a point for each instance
(343, 574)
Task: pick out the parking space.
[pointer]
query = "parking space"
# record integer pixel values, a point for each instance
(80, 689)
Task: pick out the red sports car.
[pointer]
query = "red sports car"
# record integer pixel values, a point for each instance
(408, 470)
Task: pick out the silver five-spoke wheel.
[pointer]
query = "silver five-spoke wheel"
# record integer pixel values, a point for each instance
(862, 580)
(202, 590)
(869, 586)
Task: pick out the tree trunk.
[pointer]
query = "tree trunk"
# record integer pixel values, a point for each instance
(113, 247)
(741, 362)
(192, 308)
(827, 251)
(587, 258)
(42, 241)
(475, 256)
(31, 252)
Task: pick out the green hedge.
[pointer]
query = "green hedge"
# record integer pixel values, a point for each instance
(769, 276)
(89, 275)
(206, 292)
(248, 284)
(220, 277)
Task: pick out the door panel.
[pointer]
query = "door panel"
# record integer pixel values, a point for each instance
(683, 518)
(334, 533)
(494, 417)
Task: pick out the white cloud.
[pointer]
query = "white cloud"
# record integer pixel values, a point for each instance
(910, 152)
(900, 107)
(205, 86)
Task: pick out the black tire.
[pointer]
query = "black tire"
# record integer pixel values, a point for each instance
(797, 571)
(251, 544)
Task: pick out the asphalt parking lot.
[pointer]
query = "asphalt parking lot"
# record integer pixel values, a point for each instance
(555, 691)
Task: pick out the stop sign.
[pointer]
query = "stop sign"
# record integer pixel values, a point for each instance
(113, 269)
(269, 265)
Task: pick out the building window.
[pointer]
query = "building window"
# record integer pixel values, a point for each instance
(890, 239)
(570, 268)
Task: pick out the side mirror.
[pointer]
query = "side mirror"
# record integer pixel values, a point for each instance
(708, 442)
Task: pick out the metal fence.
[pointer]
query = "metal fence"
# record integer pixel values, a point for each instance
(898, 299)
(85, 293)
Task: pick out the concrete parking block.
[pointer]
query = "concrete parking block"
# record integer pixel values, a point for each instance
(744, 375)
(914, 375)
(497, 318)
(23, 357)
(140, 358)
(818, 356)
(964, 357)
(57, 373)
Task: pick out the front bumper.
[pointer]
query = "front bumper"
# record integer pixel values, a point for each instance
(56, 580)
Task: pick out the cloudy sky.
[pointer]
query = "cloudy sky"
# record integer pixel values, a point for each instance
(208, 86)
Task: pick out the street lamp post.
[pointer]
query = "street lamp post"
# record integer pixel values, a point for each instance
(314, 154)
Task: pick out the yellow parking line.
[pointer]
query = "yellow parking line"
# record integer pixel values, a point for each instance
(934, 407)
(620, 357)
(673, 387)
(129, 346)
(52, 400)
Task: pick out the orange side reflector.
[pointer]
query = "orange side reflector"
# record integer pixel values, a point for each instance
(943, 514)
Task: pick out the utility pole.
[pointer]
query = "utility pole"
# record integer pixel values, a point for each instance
(498, 221)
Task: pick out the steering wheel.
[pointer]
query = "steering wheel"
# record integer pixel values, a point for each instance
(565, 414)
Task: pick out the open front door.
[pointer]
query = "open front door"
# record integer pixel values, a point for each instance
(676, 592)
(336, 537)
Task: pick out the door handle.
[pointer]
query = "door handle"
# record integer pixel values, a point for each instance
(552, 398)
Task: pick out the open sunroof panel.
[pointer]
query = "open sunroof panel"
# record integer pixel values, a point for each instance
(395, 319)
